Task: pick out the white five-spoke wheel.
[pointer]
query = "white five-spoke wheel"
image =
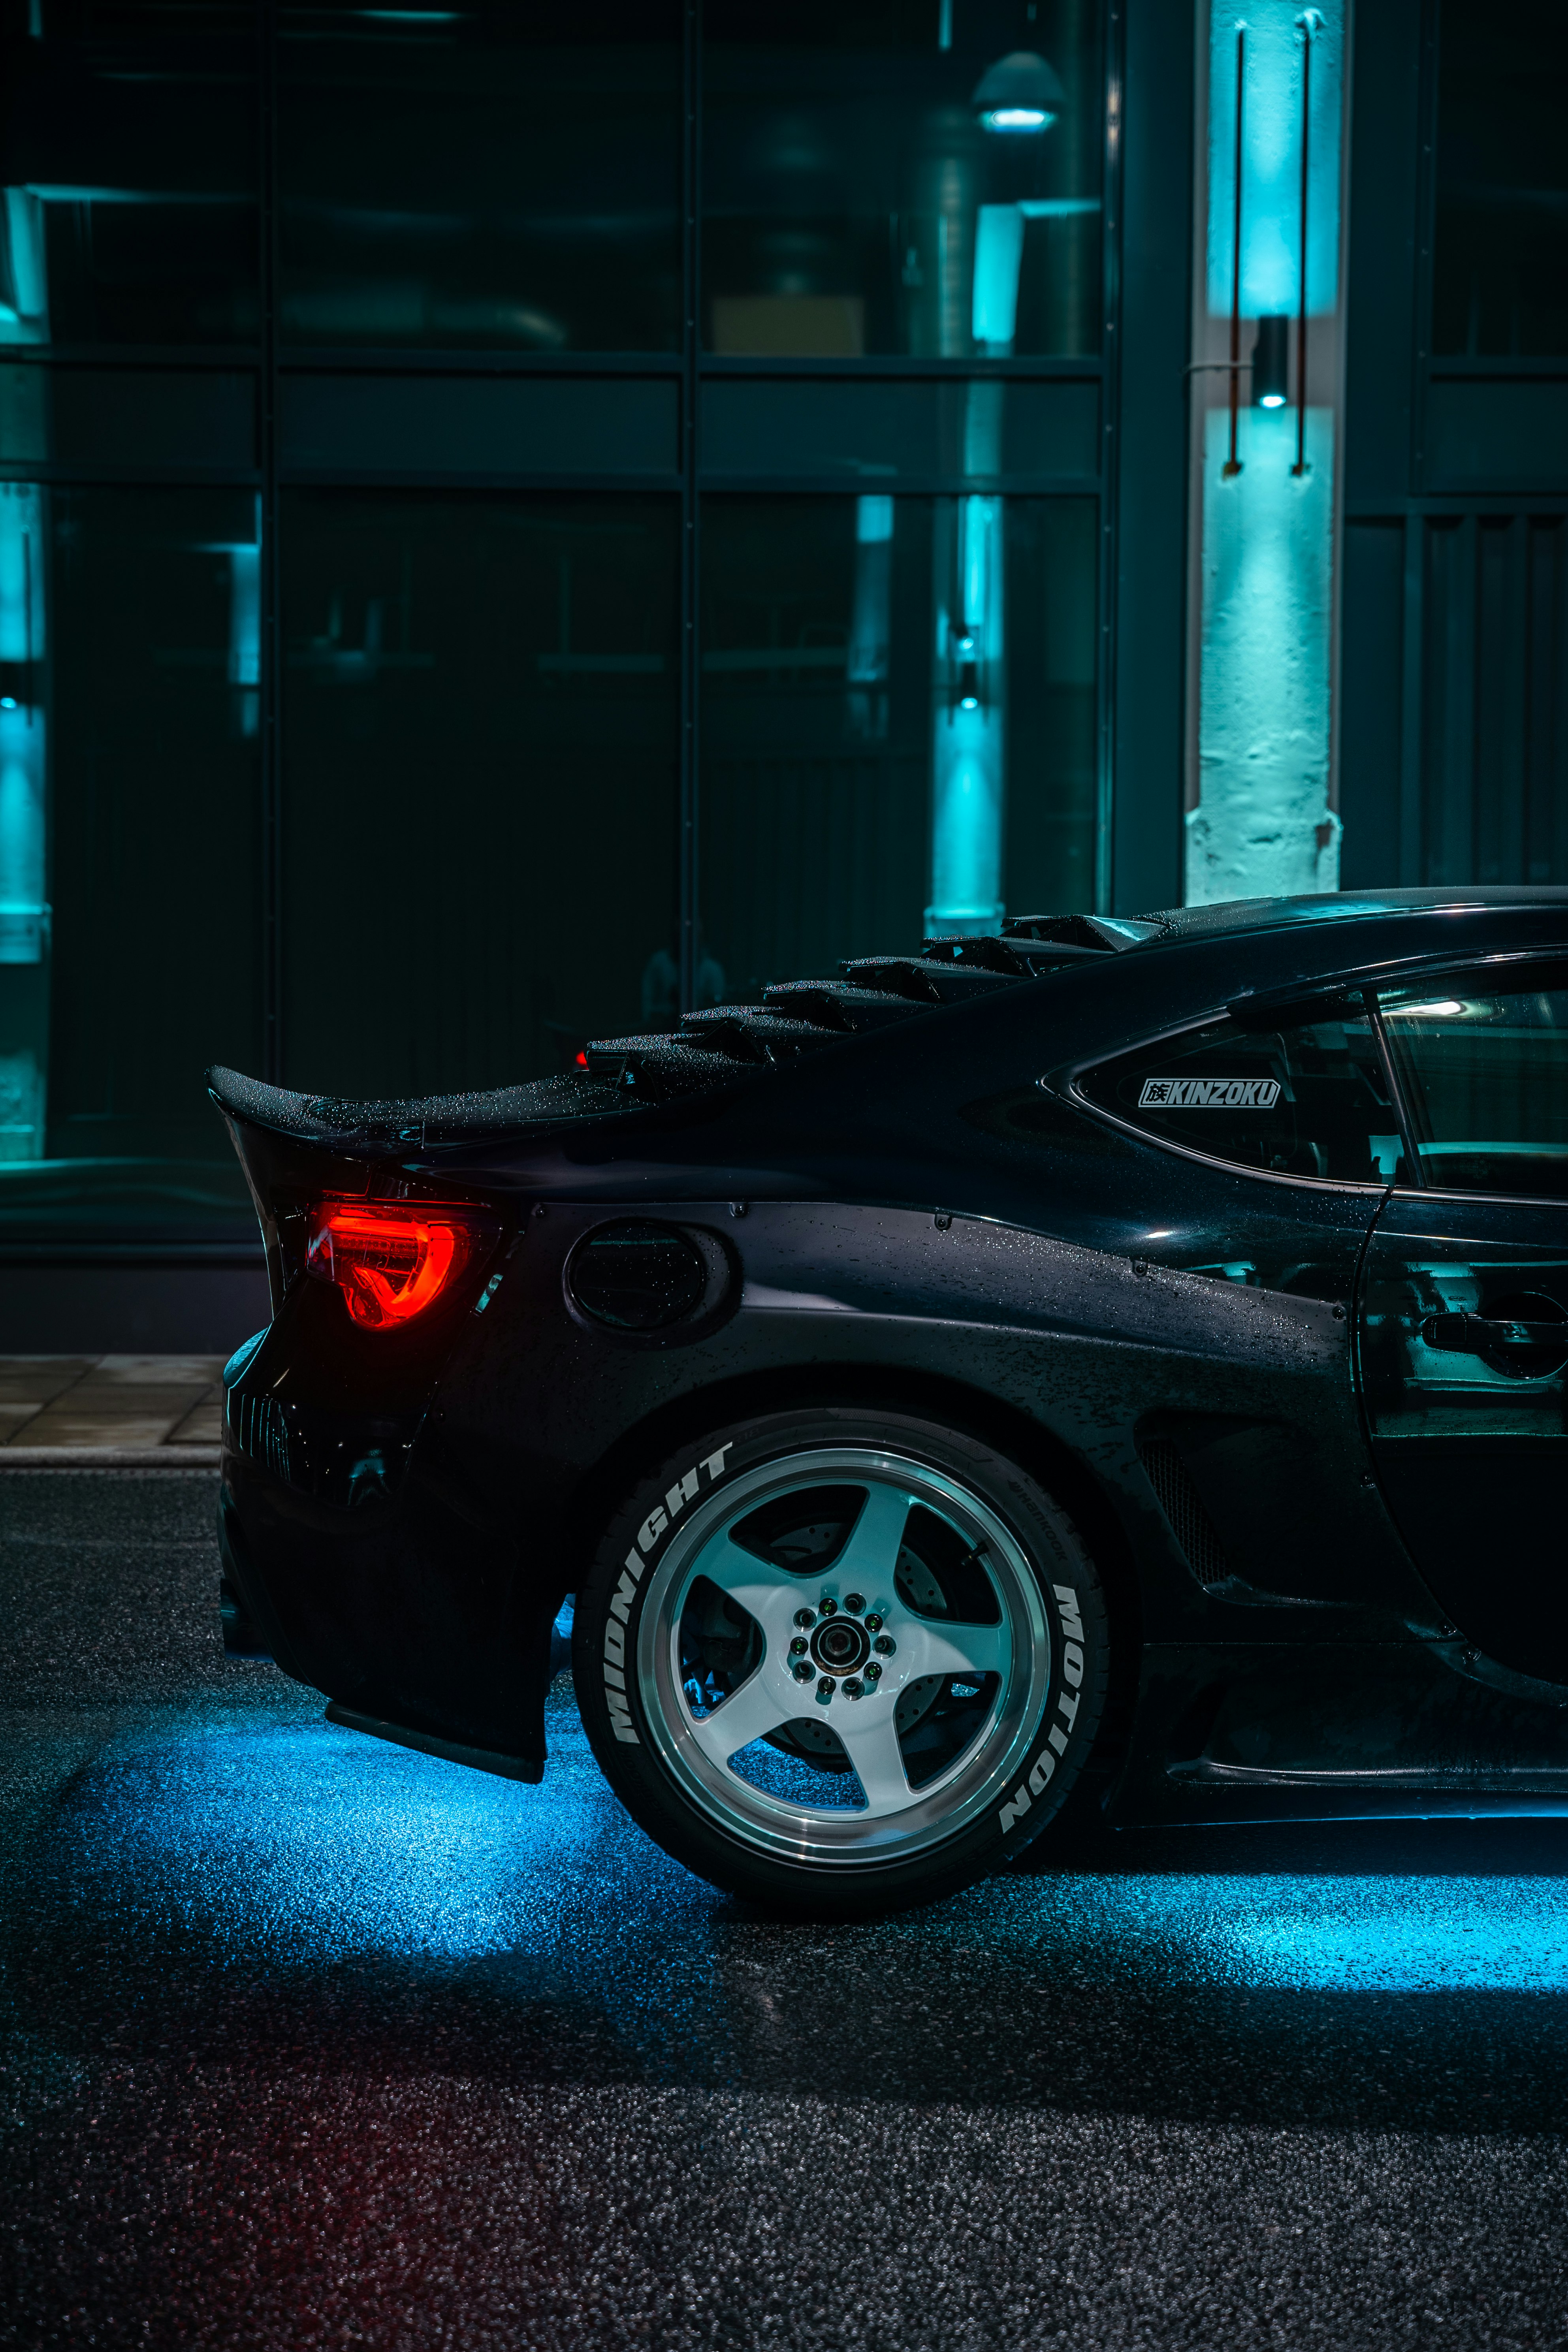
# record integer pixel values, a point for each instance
(841, 1659)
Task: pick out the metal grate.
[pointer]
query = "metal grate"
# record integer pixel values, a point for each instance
(259, 1430)
(1183, 1505)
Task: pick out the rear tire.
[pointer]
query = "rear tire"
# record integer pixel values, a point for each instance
(840, 1661)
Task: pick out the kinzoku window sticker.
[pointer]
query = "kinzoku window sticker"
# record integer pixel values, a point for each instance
(1304, 1101)
(1209, 1094)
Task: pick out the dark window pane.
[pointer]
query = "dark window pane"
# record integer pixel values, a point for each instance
(503, 175)
(905, 175)
(480, 736)
(1305, 1101)
(1485, 1079)
(1500, 266)
(128, 647)
(885, 432)
(181, 421)
(898, 731)
(128, 152)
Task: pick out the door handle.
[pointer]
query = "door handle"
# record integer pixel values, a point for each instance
(1480, 1335)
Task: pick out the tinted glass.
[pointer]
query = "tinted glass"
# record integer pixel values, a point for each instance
(1301, 1101)
(480, 736)
(905, 175)
(1500, 262)
(877, 760)
(1485, 1080)
(502, 175)
(128, 153)
(127, 659)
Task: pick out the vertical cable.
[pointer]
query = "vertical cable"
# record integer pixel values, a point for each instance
(1233, 463)
(690, 511)
(270, 680)
(1300, 465)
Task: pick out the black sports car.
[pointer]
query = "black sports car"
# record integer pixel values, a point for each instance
(1109, 1371)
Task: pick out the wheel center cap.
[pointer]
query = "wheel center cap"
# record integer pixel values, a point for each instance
(840, 1647)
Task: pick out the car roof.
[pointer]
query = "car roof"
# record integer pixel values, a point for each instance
(1233, 916)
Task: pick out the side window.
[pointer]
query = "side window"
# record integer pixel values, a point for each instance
(1306, 1101)
(1484, 1081)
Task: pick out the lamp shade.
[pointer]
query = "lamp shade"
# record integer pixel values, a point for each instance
(1271, 362)
(1020, 93)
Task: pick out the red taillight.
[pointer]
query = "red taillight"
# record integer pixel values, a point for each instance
(582, 1060)
(391, 1263)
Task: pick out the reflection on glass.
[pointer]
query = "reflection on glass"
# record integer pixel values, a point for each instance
(1500, 260)
(24, 780)
(128, 647)
(481, 739)
(1485, 1080)
(897, 732)
(920, 176)
(128, 174)
(504, 176)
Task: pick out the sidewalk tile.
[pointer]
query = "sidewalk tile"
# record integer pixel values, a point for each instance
(57, 1427)
(157, 1371)
(35, 1379)
(202, 1427)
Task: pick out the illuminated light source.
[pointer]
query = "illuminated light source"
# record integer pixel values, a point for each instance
(392, 1264)
(1270, 362)
(1019, 94)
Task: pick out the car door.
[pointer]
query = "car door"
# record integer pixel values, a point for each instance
(1283, 1112)
(1462, 1315)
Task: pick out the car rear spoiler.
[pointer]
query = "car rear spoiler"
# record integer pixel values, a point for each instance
(371, 1130)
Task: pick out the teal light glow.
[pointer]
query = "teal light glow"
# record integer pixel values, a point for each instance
(969, 769)
(23, 281)
(1261, 1932)
(1272, 157)
(1263, 824)
(23, 907)
(1015, 118)
(1344, 1934)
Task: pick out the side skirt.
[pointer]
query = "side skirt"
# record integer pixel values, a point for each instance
(425, 1743)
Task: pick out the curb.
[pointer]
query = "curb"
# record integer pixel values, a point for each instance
(109, 1457)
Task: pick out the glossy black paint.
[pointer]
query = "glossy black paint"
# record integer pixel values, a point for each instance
(925, 1213)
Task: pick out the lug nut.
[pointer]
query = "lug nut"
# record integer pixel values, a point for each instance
(827, 1687)
(805, 1617)
(873, 1672)
(873, 1622)
(797, 1647)
(803, 1670)
(828, 1605)
(855, 1602)
(884, 1645)
(854, 1690)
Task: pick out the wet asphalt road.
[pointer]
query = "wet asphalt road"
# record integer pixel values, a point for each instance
(311, 2041)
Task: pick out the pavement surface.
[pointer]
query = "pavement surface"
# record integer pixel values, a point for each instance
(110, 1408)
(311, 2041)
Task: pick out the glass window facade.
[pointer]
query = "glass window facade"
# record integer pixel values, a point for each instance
(482, 787)
(462, 177)
(899, 700)
(910, 178)
(128, 175)
(1501, 276)
(513, 528)
(129, 922)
